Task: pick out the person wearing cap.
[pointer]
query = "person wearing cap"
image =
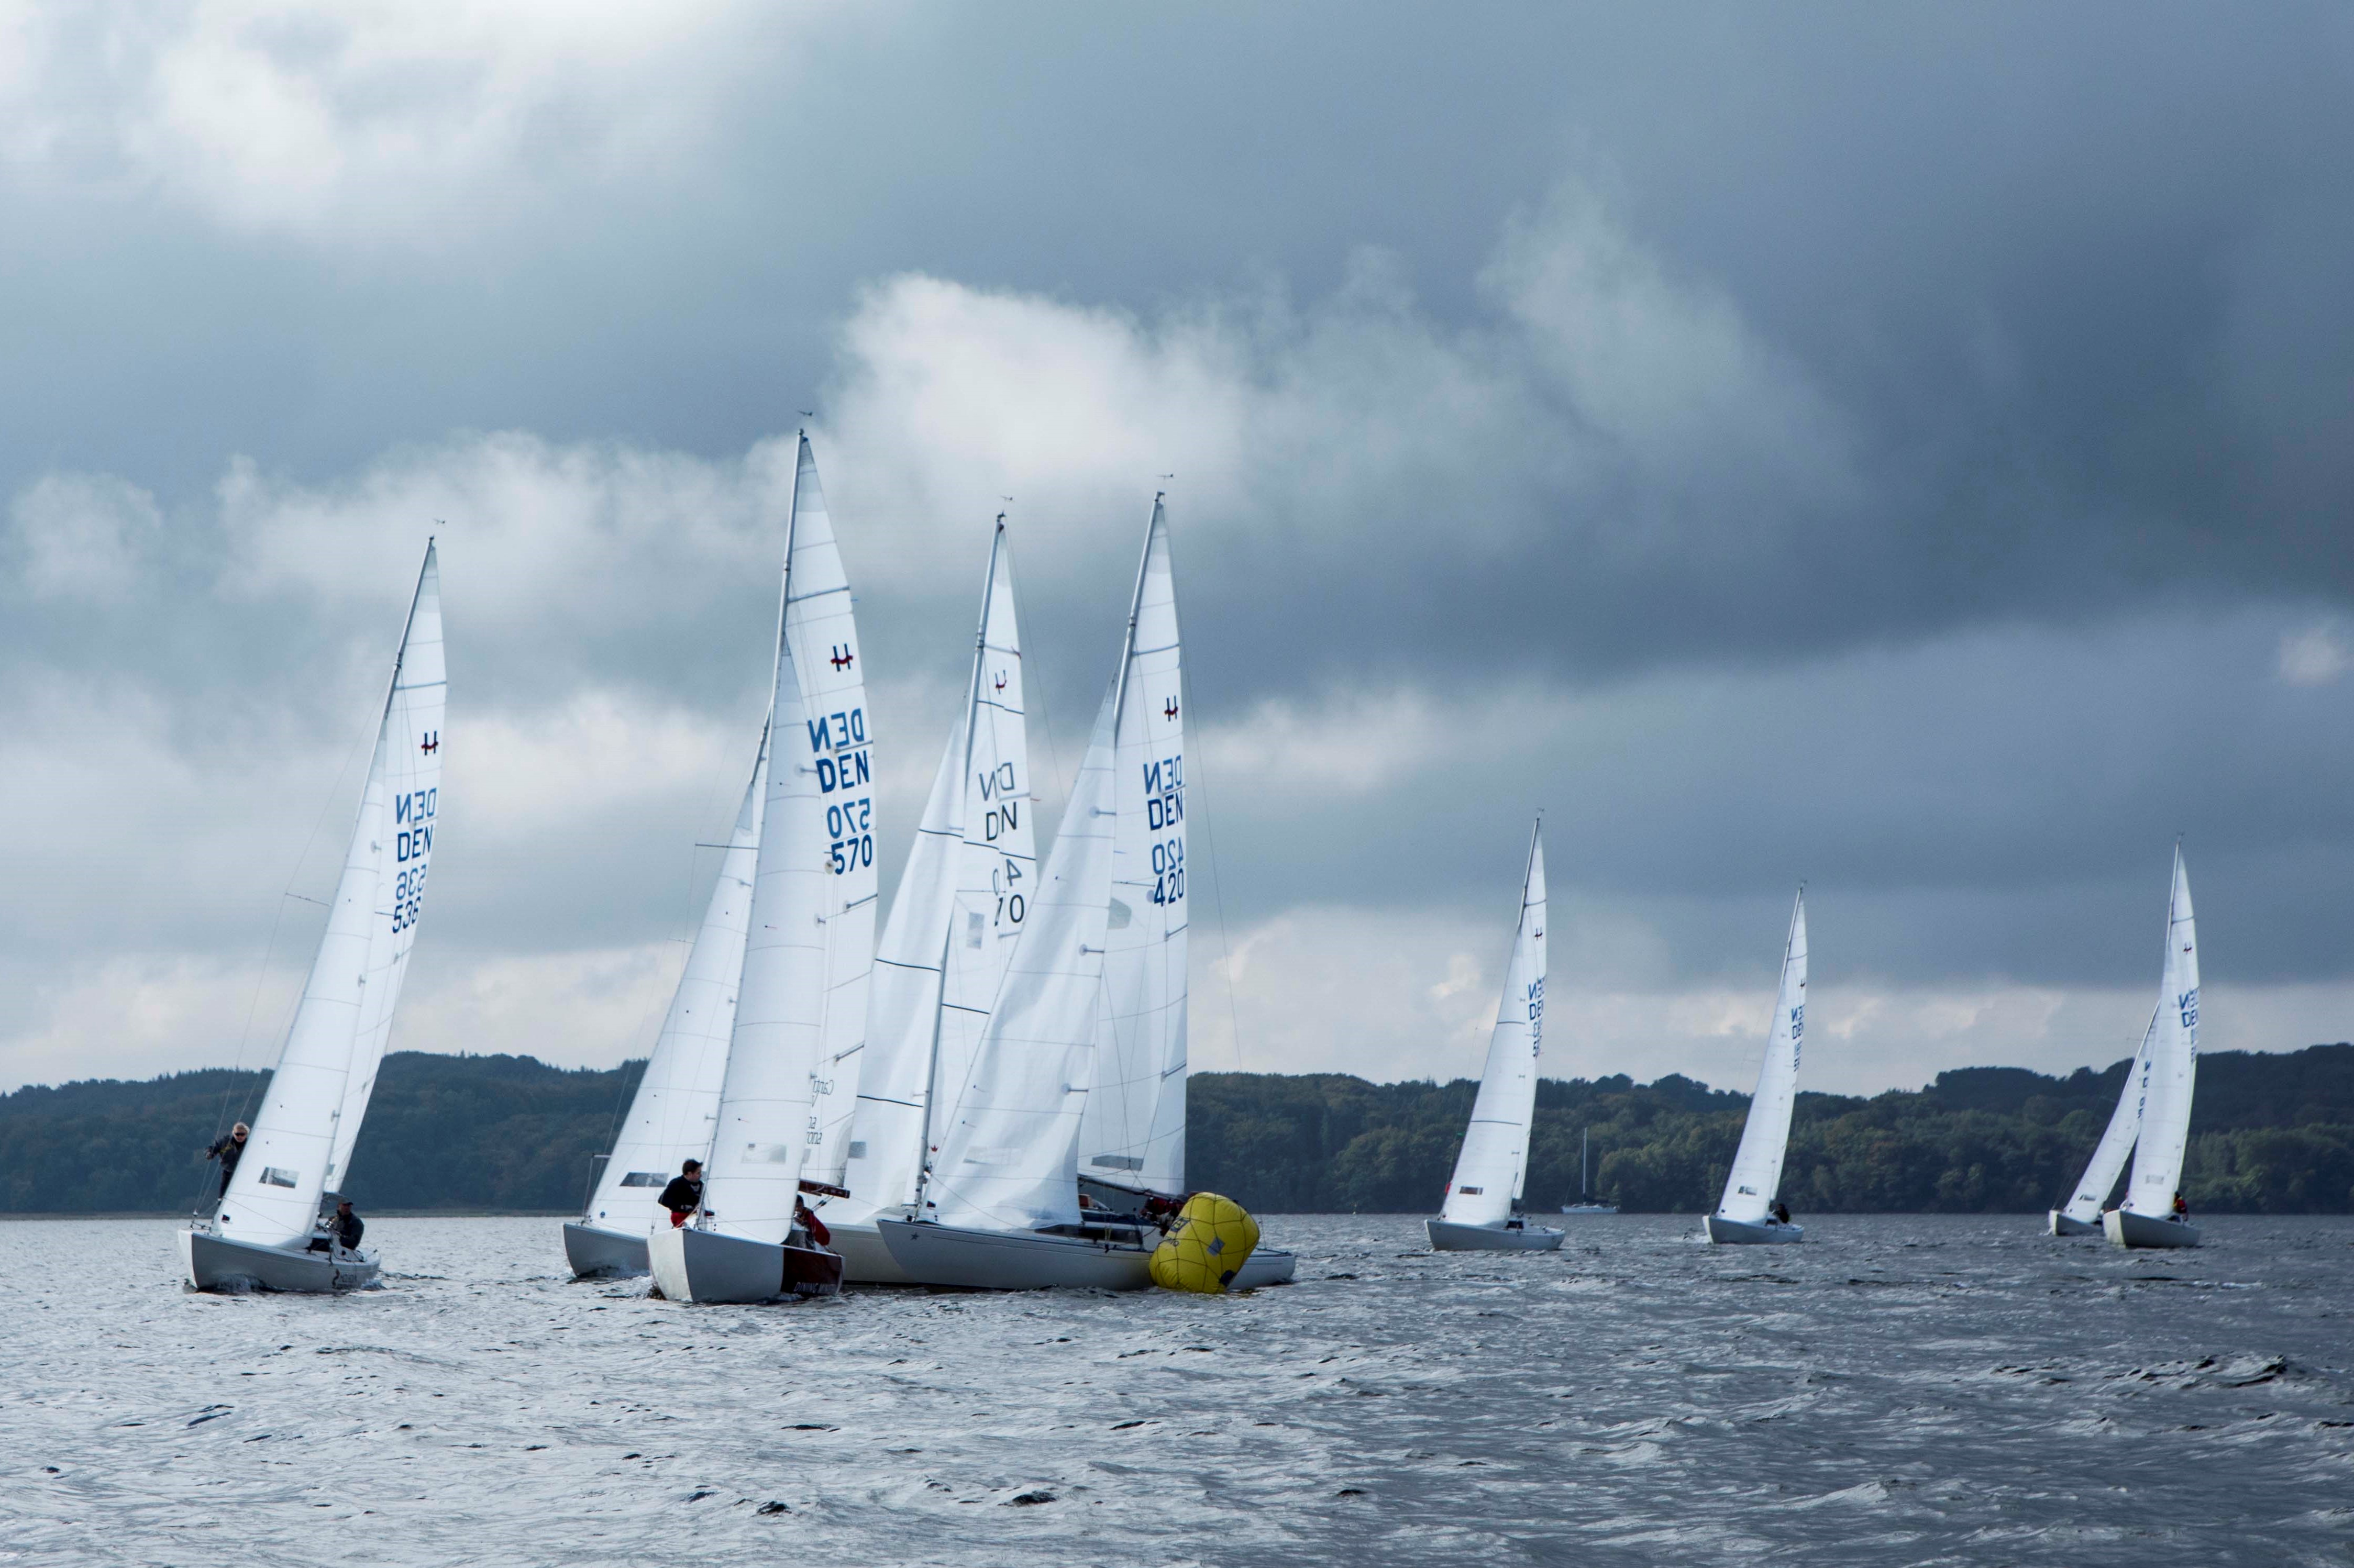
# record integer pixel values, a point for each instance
(348, 1226)
(227, 1151)
(685, 1193)
(806, 1218)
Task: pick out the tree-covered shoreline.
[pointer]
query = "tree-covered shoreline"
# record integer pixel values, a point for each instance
(2270, 1134)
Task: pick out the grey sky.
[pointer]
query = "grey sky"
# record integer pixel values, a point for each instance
(1903, 449)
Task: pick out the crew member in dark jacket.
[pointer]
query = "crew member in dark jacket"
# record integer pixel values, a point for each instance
(685, 1193)
(348, 1227)
(227, 1151)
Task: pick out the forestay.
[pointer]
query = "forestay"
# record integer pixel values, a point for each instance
(1756, 1175)
(671, 1117)
(310, 1116)
(2116, 1143)
(1493, 1164)
(800, 1010)
(1133, 1129)
(2168, 1068)
(963, 900)
(1009, 1153)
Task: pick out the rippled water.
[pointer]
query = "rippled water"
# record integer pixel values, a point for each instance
(1896, 1389)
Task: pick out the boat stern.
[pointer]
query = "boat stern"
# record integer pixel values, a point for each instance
(596, 1253)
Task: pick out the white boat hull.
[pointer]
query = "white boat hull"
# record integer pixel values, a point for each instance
(1741, 1233)
(1447, 1236)
(2126, 1228)
(596, 1254)
(709, 1267)
(215, 1262)
(1586, 1211)
(2061, 1225)
(1265, 1265)
(865, 1260)
(1015, 1260)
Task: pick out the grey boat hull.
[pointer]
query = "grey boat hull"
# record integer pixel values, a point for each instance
(596, 1254)
(707, 1266)
(1741, 1233)
(216, 1263)
(865, 1260)
(931, 1254)
(1448, 1237)
(2126, 1228)
(1264, 1265)
(2061, 1225)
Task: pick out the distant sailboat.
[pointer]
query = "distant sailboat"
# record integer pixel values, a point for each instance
(267, 1229)
(800, 1004)
(1747, 1213)
(671, 1117)
(2165, 1074)
(963, 900)
(1588, 1203)
(1491, 1169)
(2081, 1216)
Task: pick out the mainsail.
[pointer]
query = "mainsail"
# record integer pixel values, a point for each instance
(1493, 1163)
(800, 1010)
(963, 898)
(1756, 1175)
(301, 1141)
(1132, 1131)
(671, 1117)
(2169, 1066)
(2116, 1143)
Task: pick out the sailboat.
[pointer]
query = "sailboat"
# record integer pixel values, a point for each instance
(1092, 1003)
(2164, 1077)
(1490, 1170)
(266, 1230)
(2081, 1216)
(1747, 1213)
(1588, 1203)
(671, 1117)
(801, 1000)
(963, 900)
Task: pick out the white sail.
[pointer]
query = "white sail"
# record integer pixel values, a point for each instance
(671, 1117)
(275, 1198)
(800, 1010)
(1133, 1129)
(412, 750)
(961, 906)
(1493, 1163)
(1756, 1175)
(1008, 1154)
(2169, 1067)
(2108, 1160)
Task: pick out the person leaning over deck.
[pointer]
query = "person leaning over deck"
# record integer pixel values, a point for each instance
(348, 1226)
(227, 1151)
(685, 1193)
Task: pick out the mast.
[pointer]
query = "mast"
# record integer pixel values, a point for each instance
(948, 935)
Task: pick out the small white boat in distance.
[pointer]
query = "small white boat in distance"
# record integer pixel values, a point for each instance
(2080, 1214)
(1747, 1214)
(266, 1231)
(1588, 1203)
(1492, 1165)
(2166, 1072)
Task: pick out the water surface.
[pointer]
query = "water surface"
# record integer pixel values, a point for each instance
(1897, 1390)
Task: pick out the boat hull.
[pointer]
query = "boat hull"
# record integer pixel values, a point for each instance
(1588, 1211)
(216, 1263)
(931, 1254)
(2061, 1225)
(596, 1253)
(1741, 1233)
(1264, 1265)
(1447, 1236)
(865, 1259)
(2126, 1228)
(709, 1267)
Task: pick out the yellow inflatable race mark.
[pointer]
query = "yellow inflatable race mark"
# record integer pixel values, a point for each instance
(1207, 1247)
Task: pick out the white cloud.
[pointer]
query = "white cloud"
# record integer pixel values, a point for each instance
(2315, 657)
(83, 536)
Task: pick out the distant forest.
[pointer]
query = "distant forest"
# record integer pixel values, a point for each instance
(2271, 1134)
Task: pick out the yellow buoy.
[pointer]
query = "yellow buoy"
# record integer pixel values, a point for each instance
(1207, 1247)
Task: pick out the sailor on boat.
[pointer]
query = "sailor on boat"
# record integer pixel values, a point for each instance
(227, 1151)
(2182, 1208)
(685, 1193)
(344, 1230)
(812, 1228)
